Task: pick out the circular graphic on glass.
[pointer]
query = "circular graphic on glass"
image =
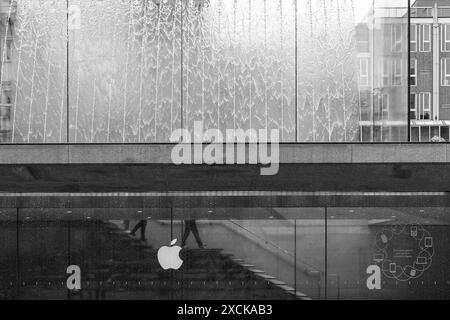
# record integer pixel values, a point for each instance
(403, 252)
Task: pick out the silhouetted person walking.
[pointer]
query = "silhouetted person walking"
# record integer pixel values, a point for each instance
(141, 225)
(190, 225)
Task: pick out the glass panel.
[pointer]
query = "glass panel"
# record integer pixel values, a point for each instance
(310, 250)
(434, 134)
(445, 133)
(415, 134)
(424, 134)
(227, 253)
(9, 288)
(116, 252)
(138, 70)
(33, 95)
(388, 253)
(235, 253)
(328, 68)
(44, 254)
(114, 264)
(239, 65)
(385, 27)
(125, 71)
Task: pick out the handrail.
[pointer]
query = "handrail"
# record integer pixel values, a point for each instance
(262, 239)
(273, 245)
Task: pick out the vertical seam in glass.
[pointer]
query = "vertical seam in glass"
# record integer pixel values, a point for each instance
(295, 257)
(181, 69)
(372, 98)
(326, 253)
(69, 236)
(67, 75)
(296, 72)
(408, 98)
(17, 253)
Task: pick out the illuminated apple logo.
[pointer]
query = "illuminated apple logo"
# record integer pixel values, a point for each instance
(169, 258)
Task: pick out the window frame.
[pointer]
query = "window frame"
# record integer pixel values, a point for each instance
(422, 110)
(445, 37)
(396, 43)
(413, 42)
(385, 72)
(415, 74)
(397, 63)
(422, 33)
(366, 75)
(413, 97)
(445, 72)
(384, 106)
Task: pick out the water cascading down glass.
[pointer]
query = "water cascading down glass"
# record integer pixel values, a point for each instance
(139, 69)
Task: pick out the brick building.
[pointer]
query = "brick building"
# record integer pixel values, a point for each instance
(383, 57)
(430, 70)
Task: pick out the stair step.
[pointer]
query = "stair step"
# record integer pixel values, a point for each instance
(266, 276)
(256, 271)
(301, 295)
(286, 288)
(119, 232)
(227, 254)
(277, 282)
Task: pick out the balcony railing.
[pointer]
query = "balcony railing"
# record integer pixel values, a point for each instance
(444, 12)
(422, 12)
(428, 12)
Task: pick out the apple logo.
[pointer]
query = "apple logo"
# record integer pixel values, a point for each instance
(169, 258)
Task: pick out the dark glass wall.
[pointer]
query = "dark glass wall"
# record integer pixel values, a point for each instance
(227, 253)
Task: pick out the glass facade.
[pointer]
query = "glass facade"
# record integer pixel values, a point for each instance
(228, 253)
(133, 71)
(382, 40)
(103, 72)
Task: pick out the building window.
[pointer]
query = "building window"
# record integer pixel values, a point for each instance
(413, 107)
(413, 72)
(445, 32)
(385, 106)
(397, 72)
(364, 72)
(396, 37)
(445, 72)
(425, 37)
(425, 105)
(362, 38)
(413, 38)
(385, 72)
(363, 46)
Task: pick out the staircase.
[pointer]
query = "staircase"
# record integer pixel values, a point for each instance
(117, 266)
